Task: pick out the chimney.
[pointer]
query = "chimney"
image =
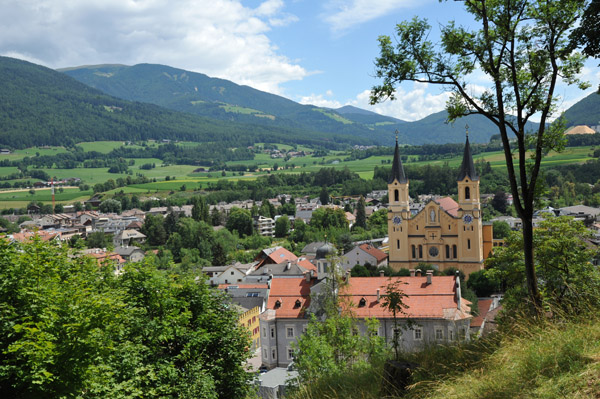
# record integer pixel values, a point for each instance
(378, 294)
(418, 272)
(458, 291)
(288, 266)
(412, 272)
(307, 276)
(382, 273)
(347, 276)
(429, 275)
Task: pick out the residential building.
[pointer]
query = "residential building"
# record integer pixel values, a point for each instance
(363, 254)
(264, 226)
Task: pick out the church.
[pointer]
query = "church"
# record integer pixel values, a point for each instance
(444, 233)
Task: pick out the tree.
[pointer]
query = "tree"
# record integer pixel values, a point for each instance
(97, 239)
(240, 221)
(73, 329)
(282, 226)
(324, 196)
(567, 277)
(522, 46)
(361, 216)
(110, 206)
(393, 301)
(154, 230)
(501, 229)
(587, 35)
(500, 202)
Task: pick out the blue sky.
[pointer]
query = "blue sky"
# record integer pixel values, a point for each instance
(317, 52)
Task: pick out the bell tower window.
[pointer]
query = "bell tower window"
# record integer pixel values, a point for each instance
(467, 193)
(396, 195)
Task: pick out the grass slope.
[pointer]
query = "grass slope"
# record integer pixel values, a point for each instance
(559, 360)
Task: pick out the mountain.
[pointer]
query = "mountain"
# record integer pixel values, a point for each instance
(40, 106)
(584, 112)
(197, 93)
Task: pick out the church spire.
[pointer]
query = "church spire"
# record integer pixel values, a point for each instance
(467, 168)
(397, 168)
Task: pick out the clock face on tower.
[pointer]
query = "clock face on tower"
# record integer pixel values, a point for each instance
(397, 220)
(467, 219)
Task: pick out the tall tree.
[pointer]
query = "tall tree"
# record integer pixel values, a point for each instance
(361, 215)
(523, 47)
(324, 196)
(587, 35)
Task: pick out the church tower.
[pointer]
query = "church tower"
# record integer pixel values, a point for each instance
(470, 231)
(399, 210)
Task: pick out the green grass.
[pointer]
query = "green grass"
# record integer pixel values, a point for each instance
(333, 116)
(103, 147)
(44, 195)
(554, 360)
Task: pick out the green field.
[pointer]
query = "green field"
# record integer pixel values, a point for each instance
(184, 174)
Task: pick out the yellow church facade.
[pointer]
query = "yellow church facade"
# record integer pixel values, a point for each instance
(444, 233)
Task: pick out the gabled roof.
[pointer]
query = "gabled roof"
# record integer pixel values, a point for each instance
(397, 168)
(467, 168)
(449, 205)
(374, 252)
(426, 301)
(286, 294)
(277, 255)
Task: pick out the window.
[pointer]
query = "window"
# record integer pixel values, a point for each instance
(414, 253)
(252, 294)
(362, 302)
(265, 354)
(467, 193)
(447, 251)
(290, 353)
(450, 334)
(324, 267)
(418, 333)
(272, 332)
(454, 251)
(396, 195)
(277, 304)
(264, 332)
(289, 332)
(274, 354)
(469, 243)
(439, 333)
(420, 251)
(396, 333)
(397, 244)
(232, 273)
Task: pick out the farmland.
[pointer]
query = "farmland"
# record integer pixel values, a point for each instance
(166, 178)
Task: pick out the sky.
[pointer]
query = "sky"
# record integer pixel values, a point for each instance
(312, 52)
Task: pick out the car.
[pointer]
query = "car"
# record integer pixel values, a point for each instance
(263, 369)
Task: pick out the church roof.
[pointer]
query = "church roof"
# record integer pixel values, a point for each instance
(449, 205)
(467, 168)
(397, 168)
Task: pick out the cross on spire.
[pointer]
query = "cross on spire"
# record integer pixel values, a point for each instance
(467, 129)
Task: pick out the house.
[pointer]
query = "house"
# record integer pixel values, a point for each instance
(104, 257)
(130, 253)
(363, 254)
(248, 318)
(128, 237)
(311, 249)
(229, 274)
(436, 311)
(273, 256)
(288, 269)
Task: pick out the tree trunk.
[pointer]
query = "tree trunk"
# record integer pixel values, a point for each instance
(532, 287)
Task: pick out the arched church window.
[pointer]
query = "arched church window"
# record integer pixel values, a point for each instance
(454, 252)
(414, 253)
(396, 195)
(467, 193)
(447, 251)
(420, 251)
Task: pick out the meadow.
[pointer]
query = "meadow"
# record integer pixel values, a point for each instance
(183, 176)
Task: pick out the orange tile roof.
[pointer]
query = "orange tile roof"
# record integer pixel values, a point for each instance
(436, 300)
(449, 205)
(28, 235)
(484, 307)
(287, 291)
(306, 264)
(375, 252)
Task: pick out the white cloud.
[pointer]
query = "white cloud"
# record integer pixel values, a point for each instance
(221, 38)
(342, 15)
(320, 101)
(409, 105)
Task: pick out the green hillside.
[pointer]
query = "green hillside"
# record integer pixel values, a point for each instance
(199, 94)
(39, 106)
(585, 112)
